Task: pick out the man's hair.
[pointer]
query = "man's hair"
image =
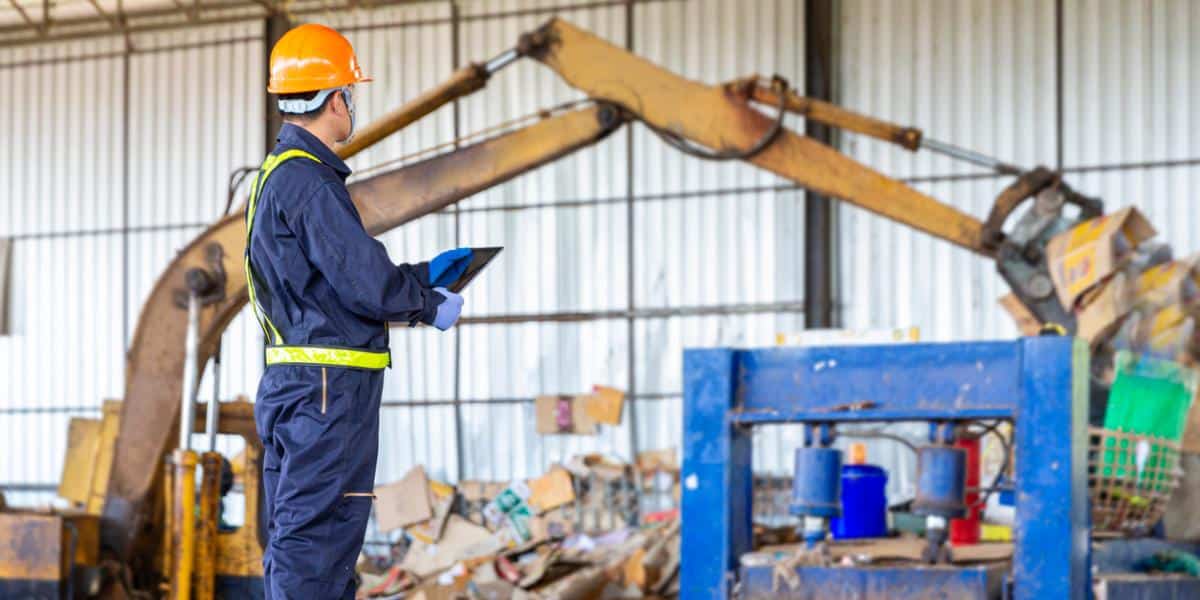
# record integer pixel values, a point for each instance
(308, 116)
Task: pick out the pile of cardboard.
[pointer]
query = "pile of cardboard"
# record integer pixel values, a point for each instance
(1126, 292)
(570, 533)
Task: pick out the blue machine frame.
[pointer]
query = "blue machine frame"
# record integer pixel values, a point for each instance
(1041, 384)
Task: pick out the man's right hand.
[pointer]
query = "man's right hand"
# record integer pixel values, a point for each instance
(449, 310)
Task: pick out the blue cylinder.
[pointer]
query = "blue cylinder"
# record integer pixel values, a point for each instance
(864, 503)
(817, 485)
(941, 482)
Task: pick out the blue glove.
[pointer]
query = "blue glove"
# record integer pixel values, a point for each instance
(449, 310)
(448, 266)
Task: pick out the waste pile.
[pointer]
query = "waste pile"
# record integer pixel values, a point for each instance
(1126, 291)
(575, 532)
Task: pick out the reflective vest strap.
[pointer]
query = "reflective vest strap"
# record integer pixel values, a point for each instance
(328, 357)
(269, 165)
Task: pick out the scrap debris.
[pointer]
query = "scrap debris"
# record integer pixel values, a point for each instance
(1126, 291)
(569, 534)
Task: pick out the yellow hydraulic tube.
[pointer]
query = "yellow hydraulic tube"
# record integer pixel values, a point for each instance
(183, 538)
(464, 81)
(206, 534)
(829, 114)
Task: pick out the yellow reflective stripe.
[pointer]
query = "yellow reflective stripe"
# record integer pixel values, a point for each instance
(253, 300)
(326, 356)
(269, 164)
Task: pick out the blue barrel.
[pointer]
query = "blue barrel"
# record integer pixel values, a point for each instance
(864, 503)
(817, 484)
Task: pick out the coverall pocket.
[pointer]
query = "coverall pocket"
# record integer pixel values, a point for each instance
(340, 394)
(355, 507)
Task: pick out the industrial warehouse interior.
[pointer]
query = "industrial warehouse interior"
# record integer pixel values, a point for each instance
(599, 299)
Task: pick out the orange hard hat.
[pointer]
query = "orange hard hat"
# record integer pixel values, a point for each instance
(312, 57)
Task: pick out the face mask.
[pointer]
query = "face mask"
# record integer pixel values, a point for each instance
(346, 96)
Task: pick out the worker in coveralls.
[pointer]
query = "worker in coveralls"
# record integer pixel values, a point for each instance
(323, 291)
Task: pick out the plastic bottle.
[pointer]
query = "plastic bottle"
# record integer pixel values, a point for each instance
(864, 499)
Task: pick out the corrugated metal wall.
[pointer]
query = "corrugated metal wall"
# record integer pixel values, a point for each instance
(124, 157)
(110, 163)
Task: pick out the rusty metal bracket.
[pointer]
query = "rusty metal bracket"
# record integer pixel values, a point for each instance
(208, 284)
(1026, 187)
(535, 43)
(1020, 251)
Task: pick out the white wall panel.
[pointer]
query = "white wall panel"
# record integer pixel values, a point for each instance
(61, 124)
(62, 131)
(979, 74)
(893, 276)
(405, 60)
(527, 87)
(1131, 74)
(1131, 77)
(528, 359)
(976, 73)
(54, 310)
(713, 42)
(554, 259)
(723, 248)
(78, 275)
(416, 435)
(196, 114)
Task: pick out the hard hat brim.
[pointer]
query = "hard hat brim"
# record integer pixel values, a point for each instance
(293, 86)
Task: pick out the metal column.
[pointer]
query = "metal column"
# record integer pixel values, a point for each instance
(818, 209)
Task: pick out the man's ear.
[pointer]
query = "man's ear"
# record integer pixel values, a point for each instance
(340, 102)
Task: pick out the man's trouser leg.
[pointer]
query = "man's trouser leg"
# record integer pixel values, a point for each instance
(320, 432)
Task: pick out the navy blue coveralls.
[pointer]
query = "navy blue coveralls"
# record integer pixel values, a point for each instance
(324, 290)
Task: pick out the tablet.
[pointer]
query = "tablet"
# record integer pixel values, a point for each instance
(480, 258)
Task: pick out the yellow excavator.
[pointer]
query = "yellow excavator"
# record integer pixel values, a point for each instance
(144, 530)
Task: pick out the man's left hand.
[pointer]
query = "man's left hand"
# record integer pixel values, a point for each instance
(447, 267)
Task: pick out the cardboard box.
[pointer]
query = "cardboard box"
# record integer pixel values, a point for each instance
(461, 540)
(1167, 332)
(604, 405)
(1174, 282)
(551, 490)
(563, 415)
(554, 524)
(403, 503)
(1090, 252)
(1103, 307)
(1027, 323)
(658, 460)
(477, 491)
(441, 498)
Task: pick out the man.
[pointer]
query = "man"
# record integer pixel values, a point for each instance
(323, 291)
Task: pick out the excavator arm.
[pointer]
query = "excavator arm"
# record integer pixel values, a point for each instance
(717, 121)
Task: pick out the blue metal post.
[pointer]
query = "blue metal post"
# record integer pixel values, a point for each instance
(1052, 534)
(717, 478)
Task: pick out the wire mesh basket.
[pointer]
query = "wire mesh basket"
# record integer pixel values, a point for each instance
(1130, 479)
